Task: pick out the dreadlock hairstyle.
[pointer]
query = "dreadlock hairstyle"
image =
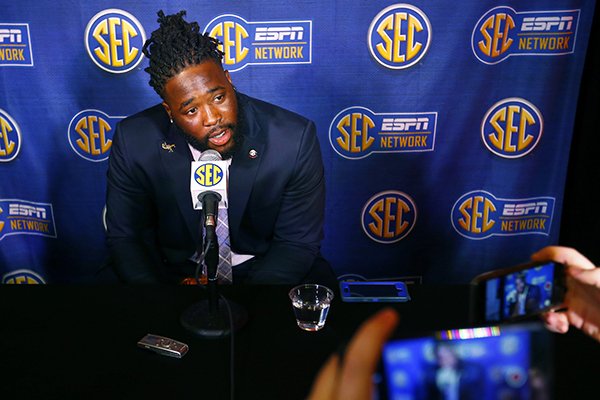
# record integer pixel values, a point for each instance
(175, 45)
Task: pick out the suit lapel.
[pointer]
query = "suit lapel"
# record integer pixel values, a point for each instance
(244, 167)
(176, 159)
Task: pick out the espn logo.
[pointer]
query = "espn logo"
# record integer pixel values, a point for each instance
(11, 36)
(404, 124)
(545, 24)
(15, 45)
(281, 33)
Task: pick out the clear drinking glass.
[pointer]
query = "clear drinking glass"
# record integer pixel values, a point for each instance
(311, 304)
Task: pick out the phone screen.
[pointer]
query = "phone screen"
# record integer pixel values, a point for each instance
(512, 362)
(517, 294)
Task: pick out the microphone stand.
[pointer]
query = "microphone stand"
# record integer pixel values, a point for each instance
(215, 317)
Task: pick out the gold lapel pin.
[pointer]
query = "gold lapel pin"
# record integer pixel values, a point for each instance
(168, 147)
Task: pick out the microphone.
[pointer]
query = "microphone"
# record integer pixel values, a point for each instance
(208, 179)
(208, 186)
(215, 316)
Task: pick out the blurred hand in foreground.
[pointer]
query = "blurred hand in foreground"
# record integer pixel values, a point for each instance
(352, 377)
(582, 299)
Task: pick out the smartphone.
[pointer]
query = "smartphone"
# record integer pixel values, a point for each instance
(511, 361)
(517, 293)
(374, 291)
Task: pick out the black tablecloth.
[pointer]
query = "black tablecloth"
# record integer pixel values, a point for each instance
(80, 342)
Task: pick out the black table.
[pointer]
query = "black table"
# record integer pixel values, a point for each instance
(80, 342)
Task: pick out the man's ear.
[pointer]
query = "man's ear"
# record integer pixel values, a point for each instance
(168, 110)
(228, 76)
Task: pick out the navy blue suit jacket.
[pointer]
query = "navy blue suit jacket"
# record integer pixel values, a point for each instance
(276, 200)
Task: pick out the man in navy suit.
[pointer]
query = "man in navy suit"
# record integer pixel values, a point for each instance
(276, 188)
(525, 298)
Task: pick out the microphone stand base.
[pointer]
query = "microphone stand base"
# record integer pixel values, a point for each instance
(202, 321)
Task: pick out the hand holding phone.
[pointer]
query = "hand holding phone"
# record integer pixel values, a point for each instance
(518, 292)
(583, 297)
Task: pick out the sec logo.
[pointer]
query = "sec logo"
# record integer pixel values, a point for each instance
(10, 137)
(114, 39)
(512, 128)
(399, 36)
(389, 216)
(90, 134)
(22, 277)
(208, 175)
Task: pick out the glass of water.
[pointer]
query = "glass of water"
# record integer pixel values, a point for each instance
(311, 304)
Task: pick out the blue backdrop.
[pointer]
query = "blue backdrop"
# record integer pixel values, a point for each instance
(445, 127)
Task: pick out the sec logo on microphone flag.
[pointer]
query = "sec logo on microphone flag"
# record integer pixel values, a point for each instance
(208, 175)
